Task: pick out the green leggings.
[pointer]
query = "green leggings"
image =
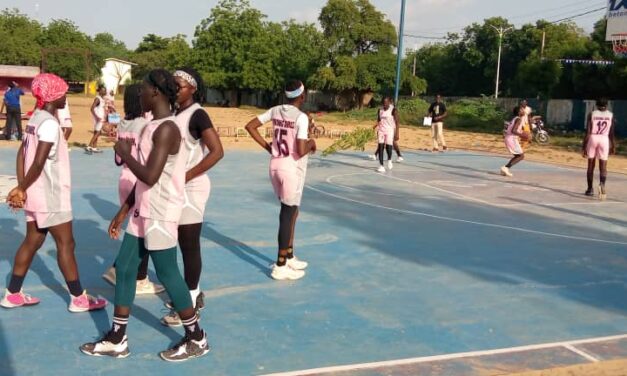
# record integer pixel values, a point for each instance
(131, 253)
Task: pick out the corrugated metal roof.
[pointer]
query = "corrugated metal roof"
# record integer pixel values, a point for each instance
(18, 71)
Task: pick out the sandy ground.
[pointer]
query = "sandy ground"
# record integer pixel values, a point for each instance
(411, 138)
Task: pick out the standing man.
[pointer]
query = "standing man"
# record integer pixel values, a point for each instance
(14, 110)
(599, 143)
(290, 148)
(438, 113)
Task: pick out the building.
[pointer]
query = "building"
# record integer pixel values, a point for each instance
(23, 75)
(116, 73)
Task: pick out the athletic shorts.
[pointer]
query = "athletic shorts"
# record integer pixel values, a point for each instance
(159, 235)
(196, 194)
(513, 144)
(288, 184)
(46, 219)
(385, 136)
(98, 126)
(598, 147)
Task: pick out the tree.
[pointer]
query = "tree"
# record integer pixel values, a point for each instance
(64, 34)
(161, 52)
(20, 39)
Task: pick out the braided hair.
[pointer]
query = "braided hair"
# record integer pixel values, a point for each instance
(132, 105)
(199, 95)
(163, 81)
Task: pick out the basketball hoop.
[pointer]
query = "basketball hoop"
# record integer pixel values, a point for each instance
(619, 45)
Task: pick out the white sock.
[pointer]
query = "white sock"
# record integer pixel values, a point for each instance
(194, 294)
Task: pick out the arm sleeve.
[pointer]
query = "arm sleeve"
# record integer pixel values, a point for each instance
(266, 117)
(48, 131)
(302, 127)
(198, 123)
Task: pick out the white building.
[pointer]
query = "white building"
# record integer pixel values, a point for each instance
(116, 73)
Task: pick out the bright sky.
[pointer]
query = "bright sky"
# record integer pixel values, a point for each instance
(129, 20)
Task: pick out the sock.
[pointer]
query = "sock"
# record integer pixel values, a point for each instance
(15, 285)
(282, 258)
(290, 253)
(194, 294)
(603, 179)
(75, 288)
(192, 329)
(118, 329)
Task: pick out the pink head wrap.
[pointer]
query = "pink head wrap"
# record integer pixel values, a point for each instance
(48, 87)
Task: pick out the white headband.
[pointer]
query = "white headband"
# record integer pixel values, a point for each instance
(296, 93)
(187, 77)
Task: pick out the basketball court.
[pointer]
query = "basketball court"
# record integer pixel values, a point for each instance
(438, 267)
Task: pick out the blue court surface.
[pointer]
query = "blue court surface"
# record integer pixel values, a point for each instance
(439, 267)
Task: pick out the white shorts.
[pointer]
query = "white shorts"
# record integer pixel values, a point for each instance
(159, 235)
(385, 136)
(98, 126)
(47, 220)
(288, 185)
(196, 197)
(598, 147)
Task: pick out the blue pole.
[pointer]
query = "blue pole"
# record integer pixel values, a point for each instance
(399, 56)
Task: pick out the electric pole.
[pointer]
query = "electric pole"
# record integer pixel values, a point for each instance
(399, 53)
(501, 31)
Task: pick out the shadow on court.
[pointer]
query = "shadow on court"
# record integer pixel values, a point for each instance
(5, 354)
(237, 248)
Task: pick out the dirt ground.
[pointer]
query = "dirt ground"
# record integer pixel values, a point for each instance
(411, 137)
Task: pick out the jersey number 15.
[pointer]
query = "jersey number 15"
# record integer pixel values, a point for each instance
(284, 149)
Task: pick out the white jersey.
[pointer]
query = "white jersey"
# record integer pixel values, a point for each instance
(601, 122)
(100, 108)
(386, 119)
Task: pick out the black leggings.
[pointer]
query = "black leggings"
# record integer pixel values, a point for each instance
(388, 150)
(189, 241)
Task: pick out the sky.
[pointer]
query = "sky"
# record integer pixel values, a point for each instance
(130, 20)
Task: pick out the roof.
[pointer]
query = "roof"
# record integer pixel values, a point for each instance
(120, 61)
(18, 71)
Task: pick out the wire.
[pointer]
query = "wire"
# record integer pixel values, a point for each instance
(579, 15)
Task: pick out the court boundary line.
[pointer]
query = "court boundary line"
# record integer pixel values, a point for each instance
(568, 345)
(450, 219)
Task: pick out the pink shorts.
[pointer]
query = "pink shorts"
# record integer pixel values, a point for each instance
(47, 220)
(386, 136)
(196, 196)
(135, 224)
(288, 184)
(598, 147)
(158, 235)
(513, 145)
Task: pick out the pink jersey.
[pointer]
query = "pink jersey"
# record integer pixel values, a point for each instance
(164, 200)
(128, 130)
(601, 123)
(387, 122)
(51, 191)
(288, 125)
(509, 131)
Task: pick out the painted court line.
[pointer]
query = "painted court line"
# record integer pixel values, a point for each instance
(493, 225)
(569, 345)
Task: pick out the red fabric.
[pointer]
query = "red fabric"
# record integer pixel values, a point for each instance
(48, 87)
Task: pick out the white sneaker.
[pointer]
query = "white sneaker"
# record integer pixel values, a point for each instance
(172, 319)
(145, 286)
(109, 275)
(186, 349)
(88, 149)
(399, 159)
(372, 157)
(390, 165)
(281, 273)
(381, 169)
(505, 172)
(297, 264)
(106, 348)
(96, 150)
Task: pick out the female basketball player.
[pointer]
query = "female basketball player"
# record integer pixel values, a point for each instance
(599, 143)
(513, 133)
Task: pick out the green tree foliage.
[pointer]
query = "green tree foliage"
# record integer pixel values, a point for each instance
(20, 39)
(160, 52)
(60, 36)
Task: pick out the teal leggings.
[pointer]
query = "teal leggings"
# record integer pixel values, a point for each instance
(131, 253)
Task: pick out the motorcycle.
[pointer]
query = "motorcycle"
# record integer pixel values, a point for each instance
(540, 135)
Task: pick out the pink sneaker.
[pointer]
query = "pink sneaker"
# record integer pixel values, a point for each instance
(86, 303)
(17, 299)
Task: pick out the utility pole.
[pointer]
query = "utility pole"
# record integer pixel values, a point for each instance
(414, 69)
(399, 54)
(501, 31)
(543, 44)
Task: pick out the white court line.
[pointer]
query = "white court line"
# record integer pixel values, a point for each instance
(331, 182)
(493, 225)
(391, 363)
(581, 353)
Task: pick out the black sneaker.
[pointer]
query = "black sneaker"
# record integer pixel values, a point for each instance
(105, 347)
(589, 192)
(186, 349)
(200, 302)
